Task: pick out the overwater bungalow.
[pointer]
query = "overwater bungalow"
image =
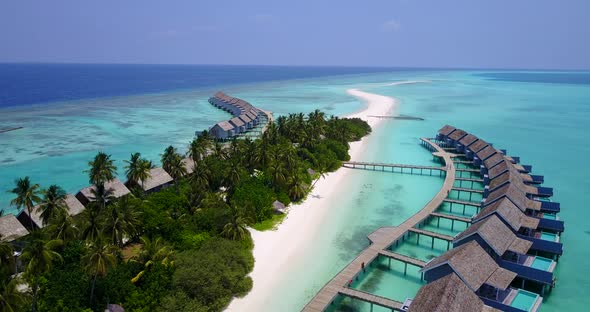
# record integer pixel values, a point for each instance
(454, 137)
(223, 130)
(516, 180)
(158, 180)
(507, 166)
(73, 205)
(119, 189)
(509, 251)
(238, 124)
(481, 274)
(444, 132)
(11, 229)
(466, 141)
(247, 121)
(448, 294)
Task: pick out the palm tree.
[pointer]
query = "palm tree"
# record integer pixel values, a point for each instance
(11, 298)
(249, 155)
(297, 187)
(122, 220)
(137, 169)
(167, 157)
(236, 228)
(201, 175)
(99, 259)
(40, 256)
(62, 227)
(26, 196)
(91, 224)
(52, 204)
(153, 251)
(102, 169)
(7, 260)
(176, 170)
(102, 195)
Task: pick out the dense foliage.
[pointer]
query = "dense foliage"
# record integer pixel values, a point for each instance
(184, 248)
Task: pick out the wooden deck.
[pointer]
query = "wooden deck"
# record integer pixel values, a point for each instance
(450, 217)
(402, 258)
(374, 299)
(383, 238)
(469, 180)
(462, 189)
(468, 170)
(402, 168)
(444, 237)
(462, 202)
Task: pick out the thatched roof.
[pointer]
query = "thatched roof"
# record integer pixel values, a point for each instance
(473, 265)
(225, 125)
(71, 202)
(478, 146)
(507, 211)
(119, 189)
(496, 234)
(446, 130)
(11, 228)
(493, 161)
(447, 294)
(498, 169)
(158, 177)
(237, 122)
(189, 165)
(252, 116)
(515, 195)
(468, 140)
(75, 207)
(486, 152)
(245, 118)
(457, 134)
(278, 206)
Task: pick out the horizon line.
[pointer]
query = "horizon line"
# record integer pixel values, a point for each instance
(302, 66)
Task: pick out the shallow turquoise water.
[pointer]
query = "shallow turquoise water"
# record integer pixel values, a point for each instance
(548, 236)
(546, 124)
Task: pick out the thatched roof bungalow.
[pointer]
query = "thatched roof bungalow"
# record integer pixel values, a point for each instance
(223, 130)
(188, 164)
(158, 180)
(73, 205)
(11, 229)
(493, 235)
(455, 136)
(472, 265)
(448, 294)
(508, 213)
(85, 195)
(239, 124)
(247, 121)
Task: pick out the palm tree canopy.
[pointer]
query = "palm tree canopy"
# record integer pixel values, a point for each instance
(102, 169)
(53, 203)
(99, 258)
(137, 169)
(26, 194)
(40, 254)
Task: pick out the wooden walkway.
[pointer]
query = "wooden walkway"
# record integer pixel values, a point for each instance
(374, 299)
(381, 240)
(403, 168)
(450, 217)
(444, 237)
(469, 179)
(468, 170)
(462, 202)
(402, 258)
(468, 190)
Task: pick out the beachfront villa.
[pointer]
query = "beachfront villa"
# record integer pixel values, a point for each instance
(73, 205)
(245, 118)
(157, 180)
(11, 228)
(502, 261)
(86, 196)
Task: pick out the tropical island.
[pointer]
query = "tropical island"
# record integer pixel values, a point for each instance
(173, 238)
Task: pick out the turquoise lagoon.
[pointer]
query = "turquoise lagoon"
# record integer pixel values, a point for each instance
(536, 116)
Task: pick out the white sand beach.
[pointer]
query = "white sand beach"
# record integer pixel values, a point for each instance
(308, 215)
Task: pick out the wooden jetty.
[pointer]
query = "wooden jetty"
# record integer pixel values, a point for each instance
(402, 258)
(373, 299)
(381, 240)
(469, 179)
(450, 217)
(462, 202)
(434, 235)
(402, 168)
(10, 129)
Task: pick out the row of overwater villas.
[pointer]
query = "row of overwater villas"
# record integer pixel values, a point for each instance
(14, 227)
(506, 258)
(246, 116)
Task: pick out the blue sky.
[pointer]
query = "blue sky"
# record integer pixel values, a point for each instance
(409, 33)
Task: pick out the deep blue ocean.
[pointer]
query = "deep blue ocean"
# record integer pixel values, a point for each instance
(25, 84)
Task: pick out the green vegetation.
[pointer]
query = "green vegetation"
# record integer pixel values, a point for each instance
(184, 248)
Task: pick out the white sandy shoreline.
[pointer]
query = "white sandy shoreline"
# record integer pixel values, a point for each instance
(309, 215)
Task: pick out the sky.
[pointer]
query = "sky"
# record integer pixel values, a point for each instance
(535, 34)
